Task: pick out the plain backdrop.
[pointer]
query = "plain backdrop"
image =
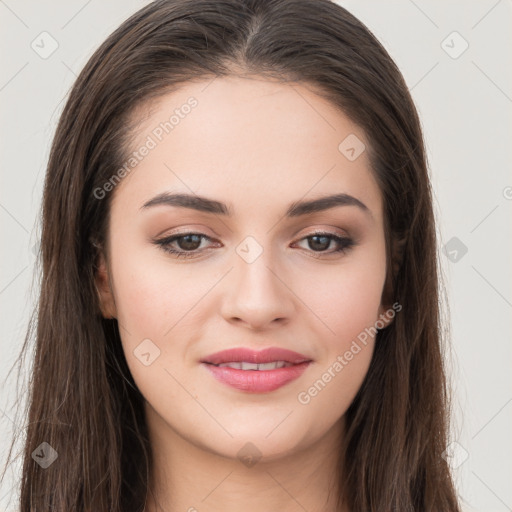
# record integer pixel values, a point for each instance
(455, 57)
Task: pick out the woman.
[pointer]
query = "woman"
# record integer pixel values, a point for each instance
(239, 303)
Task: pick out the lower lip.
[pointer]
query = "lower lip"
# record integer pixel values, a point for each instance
(257, 381)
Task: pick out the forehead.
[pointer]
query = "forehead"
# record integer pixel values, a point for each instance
(247, 141)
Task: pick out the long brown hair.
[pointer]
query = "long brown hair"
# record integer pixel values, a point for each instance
(82, 399)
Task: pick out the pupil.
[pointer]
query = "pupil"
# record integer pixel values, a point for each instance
(185, 243)
(315, 245)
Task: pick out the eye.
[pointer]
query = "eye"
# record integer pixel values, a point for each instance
(320, 241)
(188, 245)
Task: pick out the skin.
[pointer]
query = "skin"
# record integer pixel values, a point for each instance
(256, 145)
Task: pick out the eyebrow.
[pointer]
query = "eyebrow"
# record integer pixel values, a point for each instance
(295, 209)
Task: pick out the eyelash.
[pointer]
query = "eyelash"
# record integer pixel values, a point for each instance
(164, 243)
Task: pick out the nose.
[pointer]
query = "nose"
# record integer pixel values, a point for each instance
(257, 294)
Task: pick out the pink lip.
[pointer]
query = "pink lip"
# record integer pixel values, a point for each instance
(266, 355)
(256, 381)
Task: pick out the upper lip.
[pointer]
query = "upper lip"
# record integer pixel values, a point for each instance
(267, 355)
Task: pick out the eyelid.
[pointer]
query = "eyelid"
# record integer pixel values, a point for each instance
(331, 230)
(188, 229)
(344, 242)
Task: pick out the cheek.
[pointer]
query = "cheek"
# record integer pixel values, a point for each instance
(348, 306)
(161, 303)
(146, 306)
(152, 296)
(347, 301)
(152, 306)
(344, 298)
(333, 387)
(137, 307)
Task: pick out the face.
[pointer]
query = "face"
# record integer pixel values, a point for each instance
(253, 269)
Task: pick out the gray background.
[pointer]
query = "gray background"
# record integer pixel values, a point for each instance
(465, 103)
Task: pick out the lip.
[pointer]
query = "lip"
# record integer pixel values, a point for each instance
(266, 355)
(256, 381)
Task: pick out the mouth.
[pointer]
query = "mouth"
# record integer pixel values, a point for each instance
(247, 356)
(244, 365)
(256, 371)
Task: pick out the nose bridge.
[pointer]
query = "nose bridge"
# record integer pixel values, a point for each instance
(256, 293)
